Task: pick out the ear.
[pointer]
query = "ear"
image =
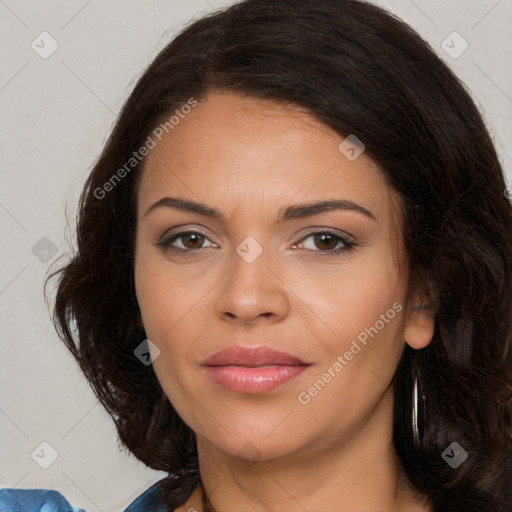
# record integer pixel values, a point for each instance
(419, 322)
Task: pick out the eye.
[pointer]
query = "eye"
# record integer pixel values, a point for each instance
(322, 242)
(185, 241)
(327, 243)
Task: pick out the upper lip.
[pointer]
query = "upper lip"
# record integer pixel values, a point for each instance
(252, 357)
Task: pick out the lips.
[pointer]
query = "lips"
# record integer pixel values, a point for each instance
(252, 370)
(252, 357)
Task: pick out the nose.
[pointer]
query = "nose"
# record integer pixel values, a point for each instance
(252, 290)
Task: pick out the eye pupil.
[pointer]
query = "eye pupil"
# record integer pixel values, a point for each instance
(325, 238)
(195, 239)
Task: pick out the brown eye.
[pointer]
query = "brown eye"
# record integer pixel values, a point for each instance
(185, 241)
(192, 240)
(325, 241)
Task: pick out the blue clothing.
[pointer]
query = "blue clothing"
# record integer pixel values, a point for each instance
(45, 500)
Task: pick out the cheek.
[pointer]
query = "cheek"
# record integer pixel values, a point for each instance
(172, 314)
(164, 305)
(173, 306)
(161, 296)
(364, 311)
(152, 294)
(352, 298)
(364, 302)
(370, 326)
(362, 356)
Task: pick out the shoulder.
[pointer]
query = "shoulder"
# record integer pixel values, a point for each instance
(150, 500)
(49, 500)
(34, 500)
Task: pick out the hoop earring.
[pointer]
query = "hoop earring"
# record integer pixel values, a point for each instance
(415, 432)
(415, 400)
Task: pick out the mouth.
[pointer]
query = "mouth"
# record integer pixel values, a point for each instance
(253, 370)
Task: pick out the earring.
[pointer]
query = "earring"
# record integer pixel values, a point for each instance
(415, 427)
(415, 432)
(504, 412)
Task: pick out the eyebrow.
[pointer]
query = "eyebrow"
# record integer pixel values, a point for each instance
(298, 211)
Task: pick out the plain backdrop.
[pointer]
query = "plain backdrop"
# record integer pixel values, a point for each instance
(57, 111)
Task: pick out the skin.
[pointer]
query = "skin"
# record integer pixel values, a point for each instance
(250, 159)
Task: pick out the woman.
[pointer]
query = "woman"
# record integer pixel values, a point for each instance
(301, 221)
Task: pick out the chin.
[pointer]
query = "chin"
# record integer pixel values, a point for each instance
(245, 444)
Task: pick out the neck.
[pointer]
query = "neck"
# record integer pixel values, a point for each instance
(353, 469)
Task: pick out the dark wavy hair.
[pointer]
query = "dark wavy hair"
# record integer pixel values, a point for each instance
(359, 70)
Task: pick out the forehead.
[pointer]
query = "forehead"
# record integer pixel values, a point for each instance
(232, 149)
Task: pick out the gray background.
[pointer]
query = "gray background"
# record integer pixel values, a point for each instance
(56, 114)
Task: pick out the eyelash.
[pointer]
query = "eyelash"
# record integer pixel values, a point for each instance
(166, 242)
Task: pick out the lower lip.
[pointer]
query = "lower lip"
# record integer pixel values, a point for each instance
(253, 380)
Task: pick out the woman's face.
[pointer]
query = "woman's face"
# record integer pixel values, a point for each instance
(266, 267)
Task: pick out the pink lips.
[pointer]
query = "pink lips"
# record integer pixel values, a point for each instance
(253, 370)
